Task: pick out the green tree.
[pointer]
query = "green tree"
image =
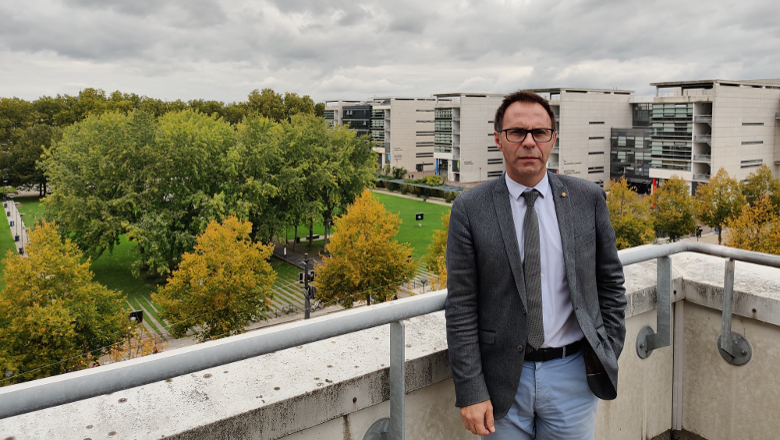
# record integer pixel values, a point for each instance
(186, 190)
(20, 165)
(267, 103)
(367, 261)
(348, 168)
(629, 214)
(160, 182)
(100, 171)
(319, 109)
(435, 259)
(260, 173)
(761, 183)
(296, 105)
(51, 311)
(719, 200)
(757, 228)
(219, 287)
(675, 208)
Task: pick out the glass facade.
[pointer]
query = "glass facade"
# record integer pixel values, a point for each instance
(357, 118)
(631, 154)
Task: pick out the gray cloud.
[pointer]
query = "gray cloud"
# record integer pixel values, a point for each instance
(224, 49)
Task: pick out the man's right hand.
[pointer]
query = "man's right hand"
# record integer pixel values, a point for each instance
(478, 418)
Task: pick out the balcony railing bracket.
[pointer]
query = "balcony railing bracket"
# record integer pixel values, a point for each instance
(647, 340)
(740, 348)
(642, 348)
(734, 349)
(378, 430)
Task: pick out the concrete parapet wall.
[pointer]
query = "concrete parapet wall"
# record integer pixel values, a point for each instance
(336, 388)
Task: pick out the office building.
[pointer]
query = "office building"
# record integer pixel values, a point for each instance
(584, 120)
(465, 151)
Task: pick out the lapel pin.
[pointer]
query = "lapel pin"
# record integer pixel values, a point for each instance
(563, 194)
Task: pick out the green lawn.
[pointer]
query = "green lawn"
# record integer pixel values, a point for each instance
(418, 236)
(31, 209)
(113, 269)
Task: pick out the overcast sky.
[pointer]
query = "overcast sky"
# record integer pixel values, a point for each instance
(345, 49)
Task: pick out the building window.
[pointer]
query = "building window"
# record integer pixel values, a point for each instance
(595, 170)
(424, 133)
(419, 155)
(746, 124)
(591, 153)
(753, 163)
(596, 137)
(425, 144)
(752, 142)
(494, 173)
(426, 122)
(495, 161)
(596, 122)
(424, 110)
(492, 148)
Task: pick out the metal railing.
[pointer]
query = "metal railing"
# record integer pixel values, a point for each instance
(702, 118)
(71, 387)
(702, 138)
(701, 177)
(702, 157)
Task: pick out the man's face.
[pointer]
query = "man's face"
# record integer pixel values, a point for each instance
(526, 161)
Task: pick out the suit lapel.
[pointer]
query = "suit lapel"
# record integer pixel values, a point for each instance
(566, 219)
(507, 226)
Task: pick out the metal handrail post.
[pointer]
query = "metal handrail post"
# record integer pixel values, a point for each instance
(397, 379)
(733, 347)
(727, 344)
(648, 340)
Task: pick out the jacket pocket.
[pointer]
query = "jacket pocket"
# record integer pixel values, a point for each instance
(487, 337)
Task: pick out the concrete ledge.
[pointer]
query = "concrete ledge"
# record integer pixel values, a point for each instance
(283, 393)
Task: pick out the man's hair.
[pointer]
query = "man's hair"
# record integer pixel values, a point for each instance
(521, 96)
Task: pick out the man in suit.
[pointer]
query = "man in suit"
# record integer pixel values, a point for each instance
(535, 309)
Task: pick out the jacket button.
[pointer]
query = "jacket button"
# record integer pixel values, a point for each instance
(519, 348)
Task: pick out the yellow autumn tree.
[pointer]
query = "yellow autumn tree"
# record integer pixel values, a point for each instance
(719, 200)
(757, 228)
(435, 259)
(220, 286)
(367, 260)
(52, 313)
(138, 343)
(629, 214)
(675, 208)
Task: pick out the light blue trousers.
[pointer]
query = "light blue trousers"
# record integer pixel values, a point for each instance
(553, 402)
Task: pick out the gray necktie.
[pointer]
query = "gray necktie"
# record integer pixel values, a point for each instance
(532, 270)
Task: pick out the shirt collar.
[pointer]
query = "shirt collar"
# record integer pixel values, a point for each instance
(516, 190)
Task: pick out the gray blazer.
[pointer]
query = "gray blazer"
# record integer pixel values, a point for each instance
(486, 300)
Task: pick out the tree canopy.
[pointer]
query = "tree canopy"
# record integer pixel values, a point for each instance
(675, 208)
(629, 214)
(220, 286)
(17, 116)
(435, 259)
(719, 200)
(51, 311)
(367, 261)
(757, 228)
(761, 183)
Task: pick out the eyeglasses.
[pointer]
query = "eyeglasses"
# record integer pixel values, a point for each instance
(518, 135)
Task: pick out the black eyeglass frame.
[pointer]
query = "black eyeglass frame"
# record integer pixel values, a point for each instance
(532, 130)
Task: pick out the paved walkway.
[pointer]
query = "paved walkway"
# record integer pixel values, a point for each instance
(18, 228)
(434, 200)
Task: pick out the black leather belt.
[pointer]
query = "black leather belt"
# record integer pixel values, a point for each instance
(547, 354)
